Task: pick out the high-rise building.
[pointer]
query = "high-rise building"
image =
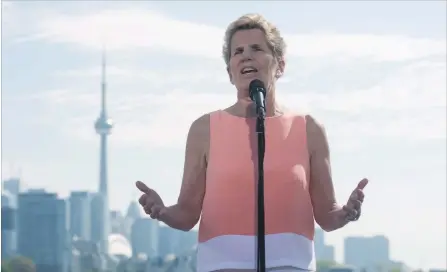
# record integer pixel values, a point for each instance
(80, 215)
(169, 240)
(188, 242)
(118, 223)
(323, 252)
(100, 204)
(358, 252)
(12, 185)
(144, 237)
(176, 242)
(43, 230)
(133, 213)
(96, 221)
(10, 191)
(8, 226)
(319, 240)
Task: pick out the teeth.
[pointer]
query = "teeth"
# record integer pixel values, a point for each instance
(248, 70)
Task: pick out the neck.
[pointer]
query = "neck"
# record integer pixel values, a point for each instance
(245, 107)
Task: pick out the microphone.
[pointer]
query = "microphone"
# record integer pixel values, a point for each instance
(257, 94)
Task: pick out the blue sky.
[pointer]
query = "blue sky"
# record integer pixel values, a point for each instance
(373, 72)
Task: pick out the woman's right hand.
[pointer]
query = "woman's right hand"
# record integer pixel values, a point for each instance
(151, 201)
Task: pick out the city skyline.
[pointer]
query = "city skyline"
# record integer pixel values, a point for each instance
(376, 74)
(56, 234)
(139, 239)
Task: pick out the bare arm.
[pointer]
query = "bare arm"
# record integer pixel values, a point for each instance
(186, 213)
(328, 214)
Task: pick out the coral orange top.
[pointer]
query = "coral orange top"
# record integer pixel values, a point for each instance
(227, 231)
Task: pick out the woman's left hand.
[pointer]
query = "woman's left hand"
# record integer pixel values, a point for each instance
(353, 208)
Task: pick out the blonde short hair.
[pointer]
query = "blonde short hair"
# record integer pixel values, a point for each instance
(254, 21)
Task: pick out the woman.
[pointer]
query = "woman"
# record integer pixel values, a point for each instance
(219, 172)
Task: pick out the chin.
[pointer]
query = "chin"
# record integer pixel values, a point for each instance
(245, 83)
(251, 78)
(243, 92)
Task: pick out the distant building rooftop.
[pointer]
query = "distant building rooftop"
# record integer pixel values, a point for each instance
(119, 246)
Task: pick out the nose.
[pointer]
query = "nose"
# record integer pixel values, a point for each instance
(247, 54)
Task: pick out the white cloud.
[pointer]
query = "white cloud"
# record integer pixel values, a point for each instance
(95, 72)
(130, 29)
(408, 104)
(375, 47)
(156, 77)
(19, 20)
(415, 88)
(165, 125)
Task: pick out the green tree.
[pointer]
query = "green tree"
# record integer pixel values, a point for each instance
(323, 265)
(18, 264)
(5, 268)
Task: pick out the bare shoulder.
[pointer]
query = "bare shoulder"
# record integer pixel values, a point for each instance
(316, 135)
(201, 126)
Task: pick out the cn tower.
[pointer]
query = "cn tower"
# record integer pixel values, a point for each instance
(103, 127)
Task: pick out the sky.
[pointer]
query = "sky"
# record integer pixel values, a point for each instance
(374, 73)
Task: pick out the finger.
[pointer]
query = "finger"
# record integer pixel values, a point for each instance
(154, 214)
(357, 194)
(362, 184)
(155, 211)
(352, 199)
(358, 212)
(354, 216)
(148, 206)
(142, 199)
(360, 195)
(142, 187)
(149, 203)
(148, 209)
(351, 213)
(349, 205)
(357, 204)
(355, 201)
(348, 209)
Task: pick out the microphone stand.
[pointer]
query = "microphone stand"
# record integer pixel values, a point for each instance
(260, 131)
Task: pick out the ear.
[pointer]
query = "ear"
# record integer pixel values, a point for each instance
(281, 67)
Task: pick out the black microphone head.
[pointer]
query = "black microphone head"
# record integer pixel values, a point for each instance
(256, 86)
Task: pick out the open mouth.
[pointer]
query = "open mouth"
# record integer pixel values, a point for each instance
(248, 70)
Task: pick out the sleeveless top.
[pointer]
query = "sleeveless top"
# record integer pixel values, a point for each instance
(228, 226)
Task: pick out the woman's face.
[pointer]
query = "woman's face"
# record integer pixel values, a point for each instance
(251, 58)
